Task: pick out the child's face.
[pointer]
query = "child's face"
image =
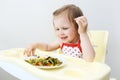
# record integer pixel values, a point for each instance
(65, 30)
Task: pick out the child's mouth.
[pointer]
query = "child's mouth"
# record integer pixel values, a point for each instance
(63, 38)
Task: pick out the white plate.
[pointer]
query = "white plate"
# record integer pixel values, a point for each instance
(49, 67)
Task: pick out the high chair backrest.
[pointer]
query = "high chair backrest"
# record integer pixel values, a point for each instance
(99, 40)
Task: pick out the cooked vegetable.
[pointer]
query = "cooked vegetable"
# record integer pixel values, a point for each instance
(48, 61)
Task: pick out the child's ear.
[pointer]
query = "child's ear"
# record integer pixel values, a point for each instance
(76, 26)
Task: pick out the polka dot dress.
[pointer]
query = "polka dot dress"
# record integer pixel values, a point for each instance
(73, 50)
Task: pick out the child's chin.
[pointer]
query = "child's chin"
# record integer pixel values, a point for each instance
(65, 41)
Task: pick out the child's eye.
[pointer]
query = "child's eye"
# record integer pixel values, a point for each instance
(57, 29)
(65, 28)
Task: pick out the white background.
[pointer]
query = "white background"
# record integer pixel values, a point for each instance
(26, 21)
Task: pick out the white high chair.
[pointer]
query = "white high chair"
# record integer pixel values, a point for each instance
(99, 40)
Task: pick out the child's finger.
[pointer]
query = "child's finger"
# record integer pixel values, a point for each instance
(33, 52)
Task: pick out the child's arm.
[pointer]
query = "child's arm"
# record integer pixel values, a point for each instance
(87, 48)
(30, 50)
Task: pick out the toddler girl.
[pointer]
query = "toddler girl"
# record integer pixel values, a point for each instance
(70, 26)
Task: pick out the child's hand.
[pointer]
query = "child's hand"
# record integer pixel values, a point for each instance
(30, 50)
(82, 23)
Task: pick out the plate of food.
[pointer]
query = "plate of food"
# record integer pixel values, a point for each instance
(46, 62)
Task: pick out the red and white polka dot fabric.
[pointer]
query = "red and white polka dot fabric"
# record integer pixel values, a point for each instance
(73, 50)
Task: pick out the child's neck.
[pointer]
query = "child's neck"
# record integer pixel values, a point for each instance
(75, 41)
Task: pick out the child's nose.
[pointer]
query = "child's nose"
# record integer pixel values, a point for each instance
(61, 32)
